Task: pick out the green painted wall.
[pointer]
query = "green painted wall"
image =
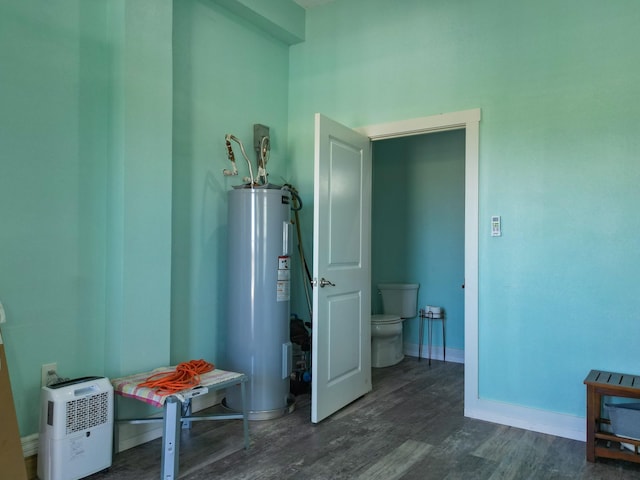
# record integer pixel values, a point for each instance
(113, 203)
(138, 201)
(558, 84)
(53, 153)
(417, 231)
(228, 75)
(85, 190)
(112, 121)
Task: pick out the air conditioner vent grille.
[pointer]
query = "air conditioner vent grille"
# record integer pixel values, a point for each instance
(87, 412)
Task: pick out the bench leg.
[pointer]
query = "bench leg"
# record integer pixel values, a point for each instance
(171, 439)
(593, 412)
(186, 412)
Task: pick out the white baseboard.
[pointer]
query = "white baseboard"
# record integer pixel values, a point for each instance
(29, 445)
(130, 436)
(437, 353)
(541, 421)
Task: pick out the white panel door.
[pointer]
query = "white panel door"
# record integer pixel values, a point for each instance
(341, 350)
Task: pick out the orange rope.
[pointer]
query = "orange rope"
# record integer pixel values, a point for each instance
(186, 375)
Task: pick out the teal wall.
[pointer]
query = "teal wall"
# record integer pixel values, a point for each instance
(138, 200)
(417, 231)
(228, 75)
(558, 84)
(85, 190)
(54, 117)
(112, 121)
(112, 116)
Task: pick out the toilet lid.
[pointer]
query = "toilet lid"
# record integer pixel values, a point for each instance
(380, 319)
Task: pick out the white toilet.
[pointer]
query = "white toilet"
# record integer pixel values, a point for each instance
(399, 302)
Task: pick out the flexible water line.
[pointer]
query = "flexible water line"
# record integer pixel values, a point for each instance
(232, 158)
(265, 148)
(296, 207)
(228, 137)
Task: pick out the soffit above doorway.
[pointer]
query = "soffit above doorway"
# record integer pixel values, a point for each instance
(312, 3)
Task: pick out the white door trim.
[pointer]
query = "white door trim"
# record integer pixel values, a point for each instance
(468, 120)
(418, 126)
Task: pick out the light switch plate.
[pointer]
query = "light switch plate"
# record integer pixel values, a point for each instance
(496, 226)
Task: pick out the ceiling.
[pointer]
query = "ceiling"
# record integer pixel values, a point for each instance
(312, 3)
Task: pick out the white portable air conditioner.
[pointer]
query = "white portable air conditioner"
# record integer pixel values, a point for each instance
(76, 429)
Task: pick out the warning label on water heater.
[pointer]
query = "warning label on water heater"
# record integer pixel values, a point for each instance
(283, 290)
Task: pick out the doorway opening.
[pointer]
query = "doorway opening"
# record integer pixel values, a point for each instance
(469, 121)
(417, 234)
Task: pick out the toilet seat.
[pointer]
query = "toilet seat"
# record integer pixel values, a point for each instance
(384, 319)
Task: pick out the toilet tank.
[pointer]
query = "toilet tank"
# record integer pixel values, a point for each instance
(400, 298)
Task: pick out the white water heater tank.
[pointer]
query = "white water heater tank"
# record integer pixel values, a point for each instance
(258, 338)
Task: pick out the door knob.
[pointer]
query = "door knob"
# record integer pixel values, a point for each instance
(324, 282)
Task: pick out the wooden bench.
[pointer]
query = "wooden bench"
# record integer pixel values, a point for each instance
(599, 384)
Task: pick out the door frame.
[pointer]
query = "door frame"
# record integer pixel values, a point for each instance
(468, 120)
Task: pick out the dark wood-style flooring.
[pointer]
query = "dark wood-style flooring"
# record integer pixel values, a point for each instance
(410, 427)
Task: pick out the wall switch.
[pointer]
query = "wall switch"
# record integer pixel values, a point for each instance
(3, 316)
(496, 228)
(49, 373)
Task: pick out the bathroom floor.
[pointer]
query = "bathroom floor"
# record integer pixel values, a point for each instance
(410, 427)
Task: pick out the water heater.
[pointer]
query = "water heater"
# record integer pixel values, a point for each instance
(258, 298)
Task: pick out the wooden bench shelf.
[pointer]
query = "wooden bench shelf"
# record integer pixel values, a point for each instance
(600, 443)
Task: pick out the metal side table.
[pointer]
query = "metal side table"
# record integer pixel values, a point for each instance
(430, 316)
